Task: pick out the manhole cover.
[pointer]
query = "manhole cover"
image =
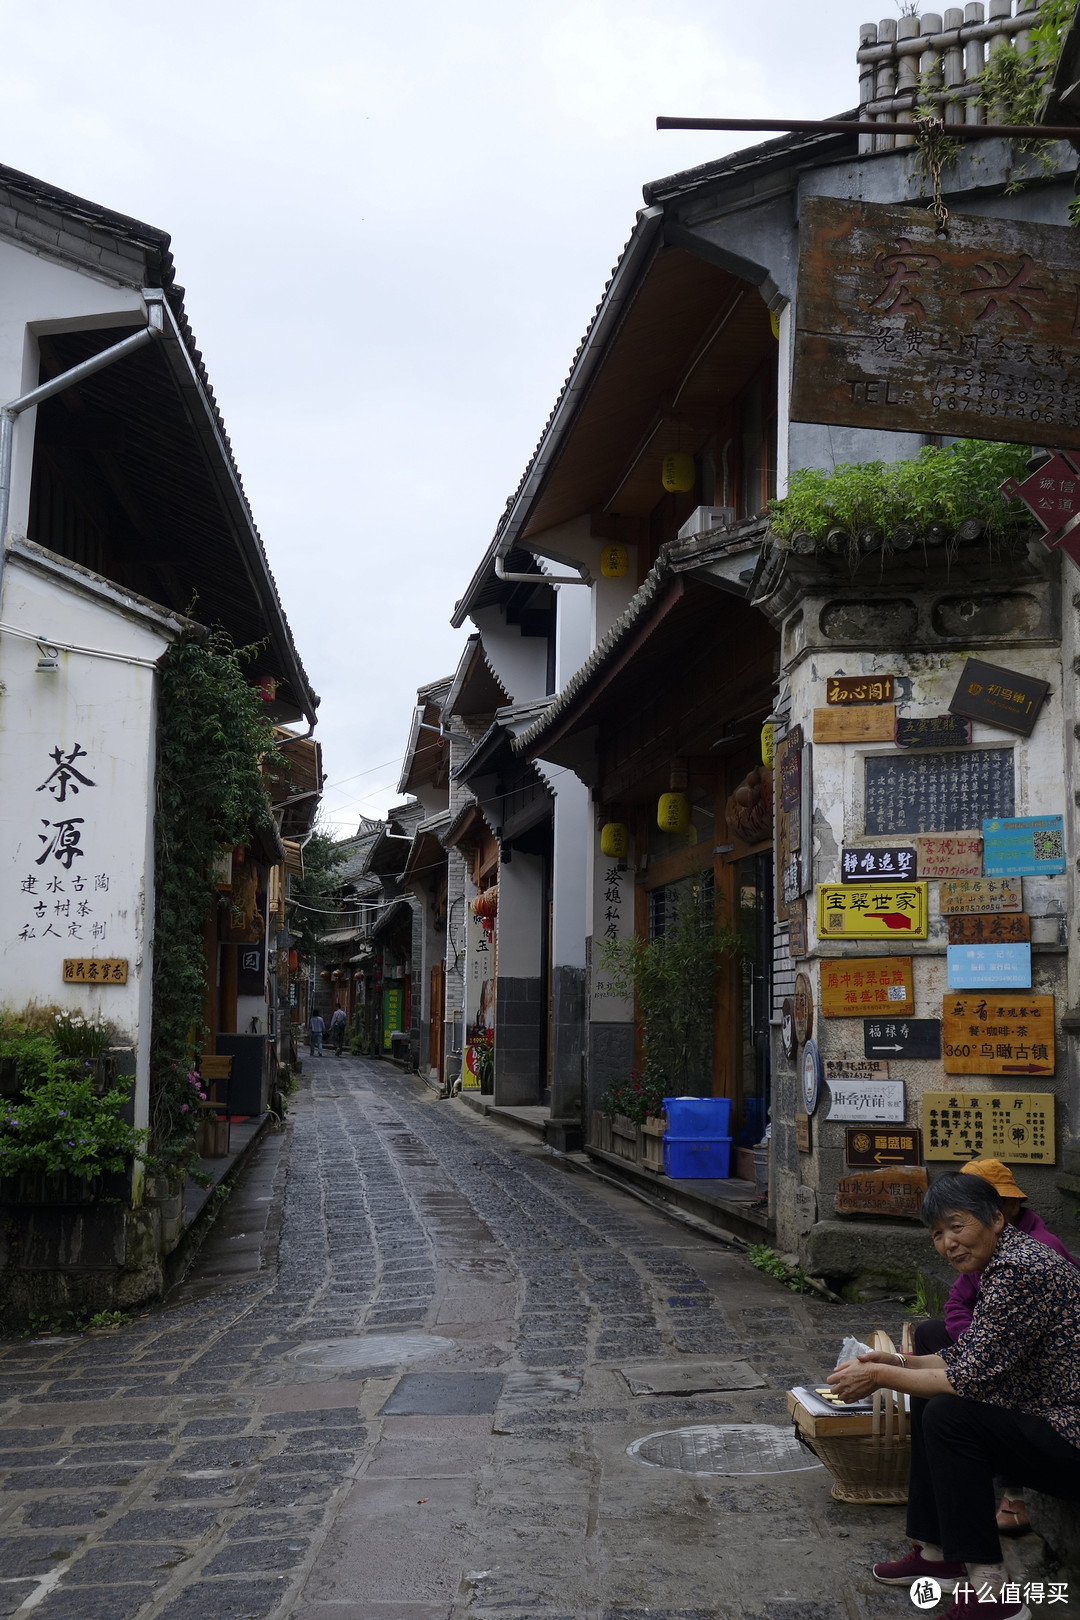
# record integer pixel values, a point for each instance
(724, 1448)
(379, 1350)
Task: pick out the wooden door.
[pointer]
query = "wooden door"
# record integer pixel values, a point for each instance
(438, 1001)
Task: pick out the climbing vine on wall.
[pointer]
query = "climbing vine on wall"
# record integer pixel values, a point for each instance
(213, 738)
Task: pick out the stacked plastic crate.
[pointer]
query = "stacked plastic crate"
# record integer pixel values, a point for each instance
(697, 1142)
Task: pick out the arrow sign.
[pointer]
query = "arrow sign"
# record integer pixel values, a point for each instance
(1026, 1068)
(882, 1145)
(902, 1037)
(891, 919)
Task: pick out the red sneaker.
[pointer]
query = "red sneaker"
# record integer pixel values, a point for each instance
(973, 1602)
(914, 1566)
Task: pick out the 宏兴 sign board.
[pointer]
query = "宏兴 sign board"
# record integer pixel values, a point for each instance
(999, 1034)
(1015, 1127)
(877, 863)
(871, 911)
(997, 928)
(853, 986)
(949, 856)
(972, 335)
(871, 1100)
(933, 731)
(874, 1149)
(959, 896)
(847, 689)
(902, 1037)
(989, 967)
(1026, 846)
(1000, 697)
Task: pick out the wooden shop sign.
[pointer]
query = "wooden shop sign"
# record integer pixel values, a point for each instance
(993, 928)
(803, 1138)
(1024, 846)
(796, 919)
(954, 855)
(872, 1149)
(961, 896)
(970, 335)
(1000, 697)
(791, 800)
(848, 689)
(902, 1037)
(95, 970)
(853, 1068)
(999, 1033)
(933, 731)
(871, 1101)
(1016, 1127)
(852, 986)
(894, 1191)
(877, 863)
(872, 911)
(855, 725)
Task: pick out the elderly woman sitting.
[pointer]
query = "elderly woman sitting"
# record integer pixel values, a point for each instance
(1004, 1400)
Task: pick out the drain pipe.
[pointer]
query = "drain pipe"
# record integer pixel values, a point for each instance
(10, 413)
(584, 578)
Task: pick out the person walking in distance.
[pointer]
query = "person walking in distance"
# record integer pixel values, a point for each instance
(316, 1031)
(337, 1029)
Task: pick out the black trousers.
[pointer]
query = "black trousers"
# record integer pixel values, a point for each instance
(957, 1447)
(930, 1337)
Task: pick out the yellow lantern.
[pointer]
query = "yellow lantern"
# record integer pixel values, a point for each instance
(615, 840)
(673, 812)
(678, 473)
(768, 744)
(614, 562)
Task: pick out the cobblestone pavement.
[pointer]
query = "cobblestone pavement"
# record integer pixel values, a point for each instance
(390, 1390)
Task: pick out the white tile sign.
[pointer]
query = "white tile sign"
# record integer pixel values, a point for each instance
(877, 1101)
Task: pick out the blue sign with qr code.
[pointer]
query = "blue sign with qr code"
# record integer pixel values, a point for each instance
(1023, 846)
(989, 967)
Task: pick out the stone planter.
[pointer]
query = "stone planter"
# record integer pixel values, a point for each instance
(626, 1139)
(652, 1144)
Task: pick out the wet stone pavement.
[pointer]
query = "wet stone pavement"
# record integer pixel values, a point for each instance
(390, 1390)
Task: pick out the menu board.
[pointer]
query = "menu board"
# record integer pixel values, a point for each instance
(998, 1033)
(1015, 1127)
(945, 792)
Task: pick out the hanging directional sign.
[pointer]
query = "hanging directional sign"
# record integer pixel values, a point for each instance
(882, 1148)
(872, 911)
(902, 1037)
(1051, 493)
(1026, 846)
(1000, 697)
(933, 731)
(989, 967)
(1009, 1033)
(860, 689)
(877, 863)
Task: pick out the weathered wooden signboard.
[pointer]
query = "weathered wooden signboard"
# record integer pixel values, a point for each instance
(869, 1100)
(997, 928)
(803, 1140)
(972, 334)
(848, 689)
(989, 967)
(947, 792)
(796, 920)
(933, 731)
(1000, 697)
(1027, 846)
(853, 1068)
(906, 1038)
(1008, 1033)
(1015, 1127)
(788, 799)
(877, 1149)
(944, 856)
(871, 911)
(877, 863)
(95, 970)
(803, 1008)
(853, 986)
(864, 723)
(959, 896)
(896, 1191)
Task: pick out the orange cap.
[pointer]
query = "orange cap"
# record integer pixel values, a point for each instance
(997, 1174)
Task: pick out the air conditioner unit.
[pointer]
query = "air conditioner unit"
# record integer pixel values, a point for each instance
(703, 519)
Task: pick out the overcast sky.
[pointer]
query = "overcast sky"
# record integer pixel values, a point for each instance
(393, 223)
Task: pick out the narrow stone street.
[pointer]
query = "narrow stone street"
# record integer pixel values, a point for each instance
(390, 1388)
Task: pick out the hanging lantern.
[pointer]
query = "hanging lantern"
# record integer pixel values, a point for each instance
(486, 905)
(267, 688)
(358, 978)
(336, 975)
(678, 473)
(614, 561)
(325, 975)
(768, 744)
(615, 840)
(673, 812)
(294, 962)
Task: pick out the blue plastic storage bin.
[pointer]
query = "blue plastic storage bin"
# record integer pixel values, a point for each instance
(698, 1116)
(690, 1158)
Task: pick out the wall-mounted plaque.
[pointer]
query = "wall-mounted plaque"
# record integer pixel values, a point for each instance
(946, 792)
(847, 689)
(871, 1100)
(876, 863)
(1027, 846)
(1009, 1033)
(853, 1068)
(989, 967)
(871, 911)
(950, 855)
(871, 724)
(896, 1191)
(95, 970)
(892, 1038)
(796, 918)
(1015, 1127)
(933, 731)
(1009, 928)
(788, 1039)
(878, 1149)
(803, 1138)
(803, 1008)
(1000, 697)
(810, 1076)
(788, 801)
(959, 896)
(853, 986)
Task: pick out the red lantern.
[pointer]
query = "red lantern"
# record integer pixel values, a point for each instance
(325, 975)
(336, 975)
(294, 962)
(267, 688)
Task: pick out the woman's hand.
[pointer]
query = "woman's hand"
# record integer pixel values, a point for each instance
(854, 1380)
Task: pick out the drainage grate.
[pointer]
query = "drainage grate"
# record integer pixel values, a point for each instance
(725, 1448)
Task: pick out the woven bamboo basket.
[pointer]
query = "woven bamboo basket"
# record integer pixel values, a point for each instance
(868, 1455)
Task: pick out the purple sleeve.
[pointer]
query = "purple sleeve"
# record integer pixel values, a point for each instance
(1035, 1227)
(960, 1304)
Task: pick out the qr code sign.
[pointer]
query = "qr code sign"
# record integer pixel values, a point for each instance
(1048, 845)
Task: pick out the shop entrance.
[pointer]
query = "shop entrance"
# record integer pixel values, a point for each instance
(755, 909)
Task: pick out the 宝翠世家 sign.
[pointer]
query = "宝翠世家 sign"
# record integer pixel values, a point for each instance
(871, 911)
(95, 970)
(872, 1100)
(959, 896)
(1015, 1127)
(853, 986)
(933, 731)
(996, 928)
(1000, 697)
(877, 863)
(1026, 846)
(999, 1034)
(873, 1149)
(969, 335)
(989, 967)
(902, 1037)
(859, 689)
(950, 856)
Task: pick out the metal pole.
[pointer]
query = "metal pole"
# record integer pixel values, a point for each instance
(861, 126)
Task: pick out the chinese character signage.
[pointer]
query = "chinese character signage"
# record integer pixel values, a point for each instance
(613, 920)
(853, 1068)
(1000, 697)
(1027, 846)
(846, 689)
(893, 1191)
(950, 857)
(973, 335)
(1015, 1127)
(792, 798)
(871, 911)
(63, 893)
(871, 1100)
(959, 896)
(877, 863)
(989, 967)
(933, 731)
(853, 986)
(998, 1034)
(1051, 494)
(902, 1038)
(879, 1148)
(95, 970)
(937, 793)
(994, 928)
